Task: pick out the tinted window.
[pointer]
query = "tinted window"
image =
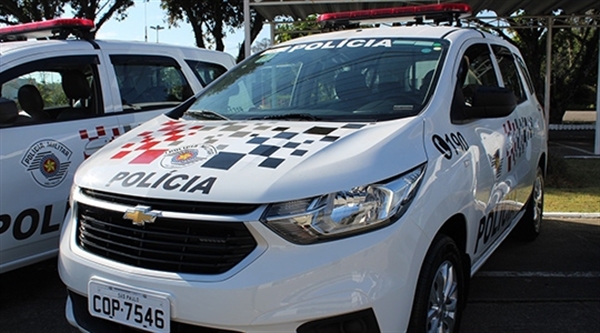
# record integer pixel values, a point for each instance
(510, 74)
(480, 71)
(52, 89)
(149, 82)
(526, 74)
(206, 72)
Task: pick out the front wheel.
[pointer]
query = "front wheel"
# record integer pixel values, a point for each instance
(439, 298)
(530, 224)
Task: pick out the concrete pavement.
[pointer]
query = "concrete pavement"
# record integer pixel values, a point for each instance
(549, 285)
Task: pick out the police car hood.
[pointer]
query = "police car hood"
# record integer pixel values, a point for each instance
(250, 161)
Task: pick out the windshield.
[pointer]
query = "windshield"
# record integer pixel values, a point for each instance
(337, 80)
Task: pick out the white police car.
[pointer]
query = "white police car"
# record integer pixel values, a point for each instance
(344, 182)
(63, 99)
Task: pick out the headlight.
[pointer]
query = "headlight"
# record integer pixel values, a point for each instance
(343, 213)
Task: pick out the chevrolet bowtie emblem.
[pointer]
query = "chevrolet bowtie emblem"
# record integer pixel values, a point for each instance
(140, 215)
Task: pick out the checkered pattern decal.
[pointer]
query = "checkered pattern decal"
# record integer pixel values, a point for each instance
(265, 144)
(101, 132)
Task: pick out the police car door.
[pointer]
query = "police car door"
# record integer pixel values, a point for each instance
(52, 120)
(494, 189)
(527, 117)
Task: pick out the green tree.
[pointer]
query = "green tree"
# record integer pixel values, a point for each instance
(295, 29)
(256, 24)
(22, 11)
(99, 11)
(211, 20)
(261, 45)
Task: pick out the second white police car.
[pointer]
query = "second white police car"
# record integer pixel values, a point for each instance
(63, 96)
(350, 181)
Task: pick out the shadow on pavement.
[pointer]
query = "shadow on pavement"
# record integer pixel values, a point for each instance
(549, 285)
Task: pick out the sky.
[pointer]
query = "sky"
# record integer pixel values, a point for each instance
(150, 14)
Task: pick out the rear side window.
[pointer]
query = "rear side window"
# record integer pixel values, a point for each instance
(510, 74)
(149, 82)
(526, 74)
(206, 72)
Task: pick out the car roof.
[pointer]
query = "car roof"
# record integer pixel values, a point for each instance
(16, 49)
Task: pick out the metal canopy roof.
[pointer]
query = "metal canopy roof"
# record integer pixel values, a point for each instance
(300, 9)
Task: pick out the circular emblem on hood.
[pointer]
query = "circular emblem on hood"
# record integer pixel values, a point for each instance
(188, 155)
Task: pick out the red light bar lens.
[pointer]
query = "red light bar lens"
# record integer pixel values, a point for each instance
(46, 28)
(386, 13)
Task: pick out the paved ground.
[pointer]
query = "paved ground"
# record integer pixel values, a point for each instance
(549, 285)
(572, 143)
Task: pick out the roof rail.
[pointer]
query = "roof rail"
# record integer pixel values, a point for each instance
(50, 29)
(447, 12)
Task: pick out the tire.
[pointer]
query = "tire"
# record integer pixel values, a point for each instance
(440, 295)
(528, 228)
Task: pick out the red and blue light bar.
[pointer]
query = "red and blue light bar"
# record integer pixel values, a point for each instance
(46, 29)
(454, 10)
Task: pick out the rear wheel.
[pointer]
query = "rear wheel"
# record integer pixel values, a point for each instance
(440, 293)
(531, 223)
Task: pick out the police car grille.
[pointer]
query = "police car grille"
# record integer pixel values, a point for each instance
(173, 205)
(174, 245)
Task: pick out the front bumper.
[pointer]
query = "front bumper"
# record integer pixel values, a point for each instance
(285, 288)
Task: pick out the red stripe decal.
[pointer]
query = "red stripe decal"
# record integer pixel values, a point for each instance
(148, 156)
(120, 154)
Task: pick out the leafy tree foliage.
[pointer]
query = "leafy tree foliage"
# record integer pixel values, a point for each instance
(261, 45)
(211, 20)
(100, 11)
(22, 11)
(295, 29)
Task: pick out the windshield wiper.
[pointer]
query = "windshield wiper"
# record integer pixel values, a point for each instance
(288, 116)
(205, 115)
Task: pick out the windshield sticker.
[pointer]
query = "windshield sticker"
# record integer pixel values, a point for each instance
(262, 144)
(265, 57)
(338, 44)
(48, 162)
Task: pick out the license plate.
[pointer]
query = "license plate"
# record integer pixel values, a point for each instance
(149, 312)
